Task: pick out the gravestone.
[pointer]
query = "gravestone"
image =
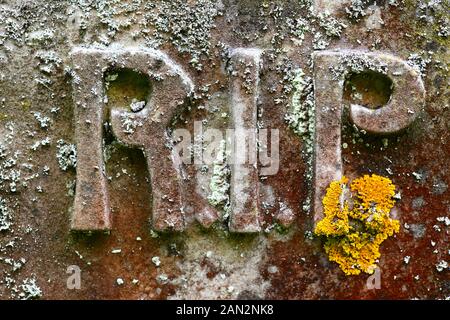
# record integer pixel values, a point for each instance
(182, 149)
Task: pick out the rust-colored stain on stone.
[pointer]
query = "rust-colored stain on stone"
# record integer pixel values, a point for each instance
(96, 201)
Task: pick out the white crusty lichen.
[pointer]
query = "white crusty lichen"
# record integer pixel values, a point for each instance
(11, 178)
(324, 26)
(357, 63)
(10, 175)
(162, 279)
(30, 289)
(332, 26)
(42, 36)
(156, 261)
(41, 143)
(49, 61)
(44, 121)
(186, 25)
(418, 62)
(444, 29)
(239, 269)
(219, 185)
(356, 9)
(14, 264)
(319, 41)
(66, 155)
(298, 28)
(445, 220)
(136, 105)
(5, 215)
(129, 123)
(441, 265)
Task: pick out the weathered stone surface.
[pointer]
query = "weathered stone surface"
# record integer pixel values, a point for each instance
(146, 129)
(244, 178)
(331, 69)
(69, 74)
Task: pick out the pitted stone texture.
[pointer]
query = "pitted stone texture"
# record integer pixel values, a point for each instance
(244, 181)
(35, 72)
(331, 68)
(91, 208)
(146, 129)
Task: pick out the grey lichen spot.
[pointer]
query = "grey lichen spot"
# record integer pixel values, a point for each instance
(247, 82)
(439, 187)
(66, 155)
(110, 78)
(272, 269)
(418, 230)
(162, 279)
(419, 176)
(70, 186)
(418, 203)
(156, 261)
(322, 23)
(445, 220)
(14, 264)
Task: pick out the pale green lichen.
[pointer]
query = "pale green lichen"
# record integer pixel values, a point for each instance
(301, 119)
(301, 114)
(219, 184)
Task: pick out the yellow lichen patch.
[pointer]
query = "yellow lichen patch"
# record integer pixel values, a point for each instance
(353, 236)
(374, 190)
(336, 214)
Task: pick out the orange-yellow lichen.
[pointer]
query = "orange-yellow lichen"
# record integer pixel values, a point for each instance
(353, 236)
